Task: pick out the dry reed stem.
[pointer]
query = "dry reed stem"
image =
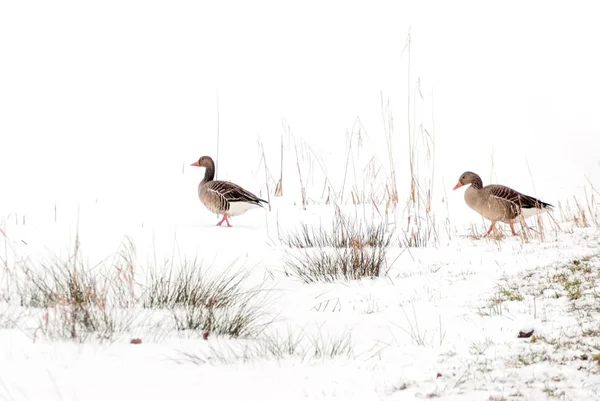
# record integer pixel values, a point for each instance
(279, 185)
(263, 160)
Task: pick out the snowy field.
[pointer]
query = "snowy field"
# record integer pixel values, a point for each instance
(367, 277)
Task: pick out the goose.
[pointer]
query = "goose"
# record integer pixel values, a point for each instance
(498, 202)
(224, 197)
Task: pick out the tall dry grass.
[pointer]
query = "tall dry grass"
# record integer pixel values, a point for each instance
(390, 173)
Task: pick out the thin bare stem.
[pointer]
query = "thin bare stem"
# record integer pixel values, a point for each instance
(218, 138)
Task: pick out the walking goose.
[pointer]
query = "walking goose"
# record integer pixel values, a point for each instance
(499, 203)
(224, 197)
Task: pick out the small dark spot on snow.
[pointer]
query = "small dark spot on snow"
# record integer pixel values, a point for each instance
(525, 334)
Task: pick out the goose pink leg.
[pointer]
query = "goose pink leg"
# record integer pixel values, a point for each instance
(224, 219)
(512, 228)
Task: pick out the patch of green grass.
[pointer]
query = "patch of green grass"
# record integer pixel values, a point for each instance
(572, 286)
(510, 294)
(591, 333)
(540, 338)
(560, 277)
(573, 289)
(530, 358)
(581, 265)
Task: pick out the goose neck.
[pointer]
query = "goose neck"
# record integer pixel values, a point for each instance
(209, 174)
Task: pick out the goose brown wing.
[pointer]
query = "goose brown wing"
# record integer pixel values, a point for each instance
(230, 192)
(519, 199)
(213, 199)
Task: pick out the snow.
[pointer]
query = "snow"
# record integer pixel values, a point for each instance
(434, 313)
(103, 108)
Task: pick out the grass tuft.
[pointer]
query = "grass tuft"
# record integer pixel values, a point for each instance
(217, 304)
(349, 250)
(77, 302)
(74, 300)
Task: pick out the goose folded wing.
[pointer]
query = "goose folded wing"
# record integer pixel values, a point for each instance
(233, 193)
(510, 195)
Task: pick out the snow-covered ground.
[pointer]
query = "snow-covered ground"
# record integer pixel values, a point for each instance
(444, 322)
(331, 104)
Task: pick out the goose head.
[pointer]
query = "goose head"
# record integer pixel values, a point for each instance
(204, 161)
(467, 178)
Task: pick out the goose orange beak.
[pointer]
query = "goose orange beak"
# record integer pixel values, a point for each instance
(457, 186)
(195, 164)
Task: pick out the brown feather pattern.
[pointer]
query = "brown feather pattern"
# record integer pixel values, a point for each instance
(520, 200)
(223, 193)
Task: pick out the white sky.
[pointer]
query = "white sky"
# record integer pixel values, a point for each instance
(114, 97)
